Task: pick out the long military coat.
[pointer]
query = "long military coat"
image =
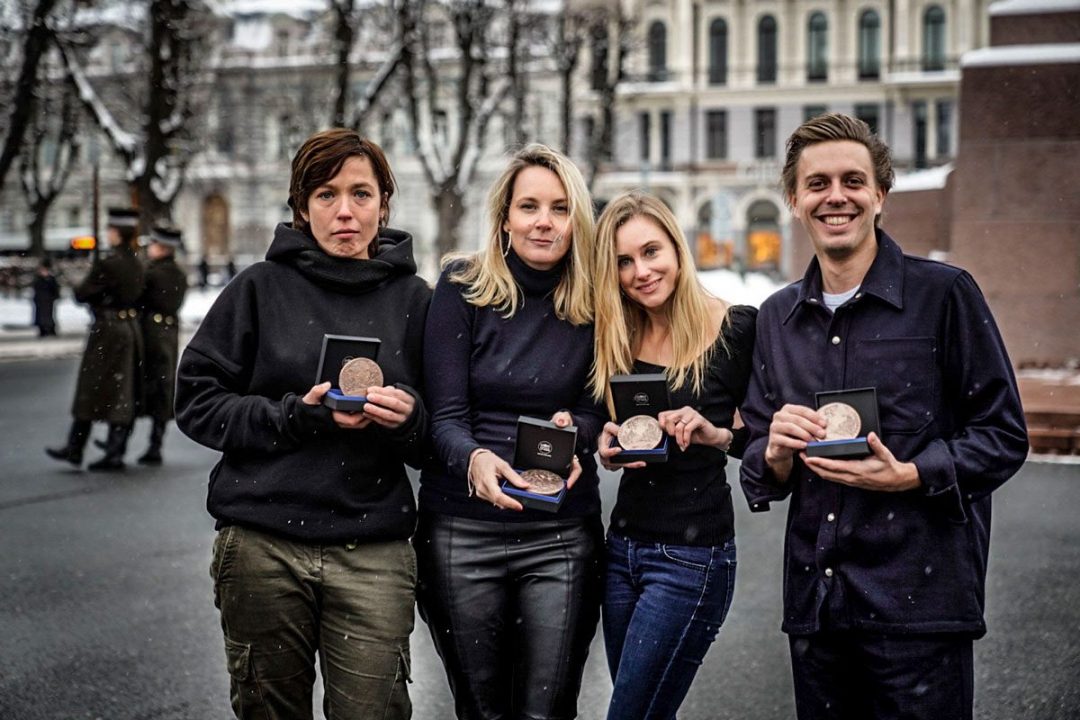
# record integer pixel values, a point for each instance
(109, 376)
(166, 284)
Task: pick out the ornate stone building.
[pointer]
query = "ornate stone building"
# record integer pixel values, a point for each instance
(714, 88)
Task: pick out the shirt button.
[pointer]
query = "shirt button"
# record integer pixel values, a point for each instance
(828, 572)
(830, 517)
(836, 340)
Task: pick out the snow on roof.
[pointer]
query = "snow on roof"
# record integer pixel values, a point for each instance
(931, 179)
(300, 9)
(1022, 55)
(1033, 7)
(923, 77)
(125, 15)
(252, 34)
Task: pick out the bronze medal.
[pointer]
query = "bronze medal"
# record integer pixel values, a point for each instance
(358, 375)
(842, 421)
(641, 432)
(543, 482)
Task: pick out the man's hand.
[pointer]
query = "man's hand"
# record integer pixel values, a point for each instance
(879, 471)
(792, 427)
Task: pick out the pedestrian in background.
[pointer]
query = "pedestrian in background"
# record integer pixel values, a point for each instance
(204, 272)
(110, 375)
(885, 555)
(46, 289)
(312, 560)
(670, 571)
(511, 596)
(159, 308)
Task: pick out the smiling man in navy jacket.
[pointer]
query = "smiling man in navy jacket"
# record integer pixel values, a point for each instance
(885, 555)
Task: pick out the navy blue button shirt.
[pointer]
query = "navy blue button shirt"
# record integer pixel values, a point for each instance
(922, 334)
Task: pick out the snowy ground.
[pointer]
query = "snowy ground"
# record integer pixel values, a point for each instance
(16, 314)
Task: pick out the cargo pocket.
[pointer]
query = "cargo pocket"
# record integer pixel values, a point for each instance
(238, 659)
(369, 680)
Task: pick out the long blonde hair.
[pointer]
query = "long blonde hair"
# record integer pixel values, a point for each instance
(485, 274)
(621, 322)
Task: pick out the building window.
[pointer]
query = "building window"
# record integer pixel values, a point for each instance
(286, 132)
(869, 113)
(716, 134)
(934, 38)
(944, 128)
(226, 122)
(599, 57)
(766, 50)
(869, 46)
(765, 133)
(718, 52)
(918, 113)
(665, 139)
(657, 51)
(809, 112)
(817, 48)
(644, 135)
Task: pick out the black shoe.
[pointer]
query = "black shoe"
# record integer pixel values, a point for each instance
(66, 454)
(107, 464)
(151, 457)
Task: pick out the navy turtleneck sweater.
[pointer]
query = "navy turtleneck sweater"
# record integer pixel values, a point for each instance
(482, 371)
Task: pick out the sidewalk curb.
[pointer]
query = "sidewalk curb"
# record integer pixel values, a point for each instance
(15, 349)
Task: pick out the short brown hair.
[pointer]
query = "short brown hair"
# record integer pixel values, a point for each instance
(320, 158)
(836, 126)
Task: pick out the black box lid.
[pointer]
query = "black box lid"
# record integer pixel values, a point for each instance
(340, 349)
(640, 394)
(542, 445)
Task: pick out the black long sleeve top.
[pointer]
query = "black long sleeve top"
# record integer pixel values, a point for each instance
(286, 467)
(687, 500)
(484, 370)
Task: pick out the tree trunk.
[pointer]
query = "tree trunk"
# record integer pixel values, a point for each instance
(449, 208)
(22, 103)
(343, 41)
(38, 214)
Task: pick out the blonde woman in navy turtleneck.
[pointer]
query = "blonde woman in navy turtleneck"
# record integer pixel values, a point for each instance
(511, 595)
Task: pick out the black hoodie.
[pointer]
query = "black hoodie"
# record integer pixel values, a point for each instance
(286, 467)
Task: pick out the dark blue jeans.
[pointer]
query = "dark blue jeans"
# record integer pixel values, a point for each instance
(663, 606)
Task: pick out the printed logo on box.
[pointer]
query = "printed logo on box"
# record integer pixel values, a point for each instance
(544, 448)
(641, 398)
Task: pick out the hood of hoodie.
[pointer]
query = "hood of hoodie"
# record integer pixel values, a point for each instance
(346, 275)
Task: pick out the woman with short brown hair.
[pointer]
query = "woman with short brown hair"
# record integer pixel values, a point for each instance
(313, 507)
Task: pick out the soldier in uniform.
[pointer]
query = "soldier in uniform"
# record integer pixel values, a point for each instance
(166, 284)
(108, 385)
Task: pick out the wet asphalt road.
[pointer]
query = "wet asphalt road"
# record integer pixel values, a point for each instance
(106, 611)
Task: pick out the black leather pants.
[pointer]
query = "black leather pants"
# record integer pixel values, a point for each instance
(512, 608)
